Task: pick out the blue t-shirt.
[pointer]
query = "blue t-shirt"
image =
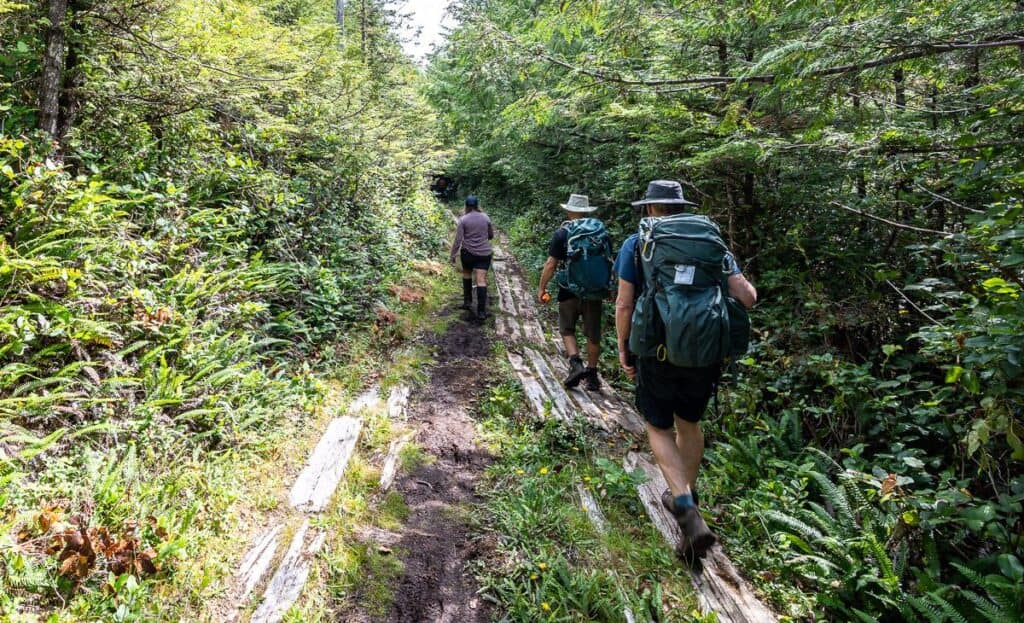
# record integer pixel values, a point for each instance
(625, 265)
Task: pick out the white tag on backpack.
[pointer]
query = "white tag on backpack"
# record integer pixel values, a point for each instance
(684, 274)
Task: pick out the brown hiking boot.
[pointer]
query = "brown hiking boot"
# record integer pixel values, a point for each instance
(697, 537)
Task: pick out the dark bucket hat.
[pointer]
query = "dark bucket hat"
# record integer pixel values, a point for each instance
(472, 200)
(666, 192)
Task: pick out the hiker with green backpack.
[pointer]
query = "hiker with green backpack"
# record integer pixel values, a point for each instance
(580, 259)
(680, 311)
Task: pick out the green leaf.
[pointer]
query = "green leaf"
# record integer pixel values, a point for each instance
(953, 374)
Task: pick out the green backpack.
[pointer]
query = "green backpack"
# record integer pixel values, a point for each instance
(587, 270)
(685, 315)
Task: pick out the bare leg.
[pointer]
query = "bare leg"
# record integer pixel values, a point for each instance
(671, 462)
(481, 276)
(690, 442)
(571, 348)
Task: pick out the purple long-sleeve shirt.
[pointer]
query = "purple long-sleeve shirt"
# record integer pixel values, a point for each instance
(473, 234)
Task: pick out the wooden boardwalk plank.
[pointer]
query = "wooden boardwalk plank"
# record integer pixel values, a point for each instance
(589, 504)
(316, 484)
(397, 402)
(286, 585)
(720, 589)
(553, 385)
(390, 468)
(255, 564)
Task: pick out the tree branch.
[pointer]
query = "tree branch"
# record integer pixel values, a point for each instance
(895, 224)
(923, 50)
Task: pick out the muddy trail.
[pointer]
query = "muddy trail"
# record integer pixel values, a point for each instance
(436, 545)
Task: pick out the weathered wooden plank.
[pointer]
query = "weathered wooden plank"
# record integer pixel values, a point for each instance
(623, 412)
(719, 587)
(581, 397)
(398, 400)
(366, 401)
(318, 480)
(589, 504)
(505, 299)
(255, 564)
(390, 468)
(531, 387)
(561, 402)
(286, 585)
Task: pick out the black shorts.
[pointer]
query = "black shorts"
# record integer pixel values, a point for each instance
(570, 310)
(477, 262)
(664, 391)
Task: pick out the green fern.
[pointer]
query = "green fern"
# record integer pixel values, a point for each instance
(932, 614)
(947, 608)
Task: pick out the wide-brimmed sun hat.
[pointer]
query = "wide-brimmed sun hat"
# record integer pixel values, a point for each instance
(665, 192)
(578, 203)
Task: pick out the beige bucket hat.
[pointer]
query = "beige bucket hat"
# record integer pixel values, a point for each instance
(578, 203)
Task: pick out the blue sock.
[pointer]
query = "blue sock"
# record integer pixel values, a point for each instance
(683, 501)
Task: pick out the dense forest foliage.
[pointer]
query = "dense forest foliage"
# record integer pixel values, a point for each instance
(864, 159)
(200, 204)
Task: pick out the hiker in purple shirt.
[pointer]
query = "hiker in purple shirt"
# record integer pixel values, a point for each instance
(473, 246)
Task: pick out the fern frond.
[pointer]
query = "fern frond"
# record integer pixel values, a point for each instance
(798, 526)
(864, 616)
(838, 499)
(927, 608)
(992, 612)
(947, 608)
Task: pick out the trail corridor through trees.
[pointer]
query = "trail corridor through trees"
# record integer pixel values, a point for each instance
(435, 544)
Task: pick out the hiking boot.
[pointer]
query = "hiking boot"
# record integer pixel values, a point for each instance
(593, 383)
(467, 294)
(576, 372)
(697, 537)
(669, 501)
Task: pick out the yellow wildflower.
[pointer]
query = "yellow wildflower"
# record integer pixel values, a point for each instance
(543, 471)
(542, 566)
(545, 606)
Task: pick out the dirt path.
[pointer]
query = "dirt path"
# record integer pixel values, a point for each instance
(435, 543)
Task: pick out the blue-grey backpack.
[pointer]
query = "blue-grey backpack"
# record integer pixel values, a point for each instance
(685, 315)
(587, 269)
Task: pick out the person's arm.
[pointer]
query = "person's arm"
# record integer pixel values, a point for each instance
(742, 290)
(546, 274)
(457, 243)
(624, 304)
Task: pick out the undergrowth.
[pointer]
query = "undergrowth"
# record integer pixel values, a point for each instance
(550, 562)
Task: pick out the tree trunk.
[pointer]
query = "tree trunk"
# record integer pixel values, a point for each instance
(723, 60)
(53, 69)
(339, 14)
(901, 89)
(1020, 9)
(362, 29)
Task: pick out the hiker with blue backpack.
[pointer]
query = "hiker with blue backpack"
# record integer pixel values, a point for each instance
(472, 243)
(580, 260)
(680, 312)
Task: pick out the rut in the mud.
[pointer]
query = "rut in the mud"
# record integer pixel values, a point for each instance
(436, 545)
